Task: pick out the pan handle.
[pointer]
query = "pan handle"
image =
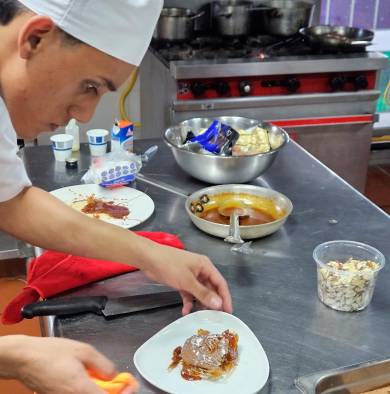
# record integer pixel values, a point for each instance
(360, 43)
(311, 17)
(198, 15)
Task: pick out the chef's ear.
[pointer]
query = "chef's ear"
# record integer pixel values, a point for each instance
(32, 34)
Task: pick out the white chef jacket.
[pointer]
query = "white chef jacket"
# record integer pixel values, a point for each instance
(13, 175)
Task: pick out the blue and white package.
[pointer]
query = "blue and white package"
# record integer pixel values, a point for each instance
(122, 135)
(114, 169)
(207, 135)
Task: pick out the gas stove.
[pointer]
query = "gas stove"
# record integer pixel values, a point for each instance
(247, 47)
(212, 67)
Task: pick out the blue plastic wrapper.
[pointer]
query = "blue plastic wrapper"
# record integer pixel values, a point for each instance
(115, 169)
(219, 138)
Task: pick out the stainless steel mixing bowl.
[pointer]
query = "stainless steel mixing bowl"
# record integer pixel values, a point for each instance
(246, 232)
(221, 169)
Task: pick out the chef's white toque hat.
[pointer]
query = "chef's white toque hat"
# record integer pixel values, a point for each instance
(120, 28)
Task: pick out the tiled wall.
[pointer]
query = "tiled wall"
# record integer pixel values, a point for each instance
(369, 14)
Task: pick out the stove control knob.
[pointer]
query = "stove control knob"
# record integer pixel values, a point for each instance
(337, 83)
(245, 88)
(292, 84)
(198, 89)
(222, 88)
(361, 82)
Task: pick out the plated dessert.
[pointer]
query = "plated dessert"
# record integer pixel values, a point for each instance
(125, 207)
(206, 356)
(223, 357)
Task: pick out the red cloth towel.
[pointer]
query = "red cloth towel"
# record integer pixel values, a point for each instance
(53, 273)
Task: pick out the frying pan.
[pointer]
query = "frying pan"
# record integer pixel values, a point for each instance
(340, 37)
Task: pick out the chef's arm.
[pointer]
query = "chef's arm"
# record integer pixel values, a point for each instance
(9, 359)
(40, 219)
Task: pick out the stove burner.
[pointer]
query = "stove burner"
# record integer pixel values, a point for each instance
(260, 47)
(176, 52)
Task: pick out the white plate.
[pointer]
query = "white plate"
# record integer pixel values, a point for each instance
(140, 205)
(154, 356)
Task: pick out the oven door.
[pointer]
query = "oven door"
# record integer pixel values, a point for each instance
(342, 143)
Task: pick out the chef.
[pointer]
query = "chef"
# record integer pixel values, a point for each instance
(57, 59)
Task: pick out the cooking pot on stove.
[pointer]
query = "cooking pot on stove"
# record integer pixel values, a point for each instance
(232, 18)
(283, 17)
(176, 24)
(273, 17)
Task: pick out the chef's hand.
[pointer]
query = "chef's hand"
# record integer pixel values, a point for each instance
(59, 366)
(192, 274)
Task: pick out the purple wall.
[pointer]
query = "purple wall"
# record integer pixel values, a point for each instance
(369, 14)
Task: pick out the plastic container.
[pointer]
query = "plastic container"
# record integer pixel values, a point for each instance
(345, 284)
(97, 139)
(73, 129)
(62, 146)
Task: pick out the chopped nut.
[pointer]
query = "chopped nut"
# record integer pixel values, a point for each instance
(347, 286)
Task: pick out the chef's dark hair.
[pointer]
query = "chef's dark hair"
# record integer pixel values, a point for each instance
(8, 10)
(11, 8)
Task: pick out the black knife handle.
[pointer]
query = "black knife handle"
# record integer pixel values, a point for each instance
(65, 306)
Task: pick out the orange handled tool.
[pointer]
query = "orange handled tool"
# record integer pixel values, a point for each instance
(118, 384)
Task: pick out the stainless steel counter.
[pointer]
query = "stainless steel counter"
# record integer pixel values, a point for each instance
(274, 290)
(9, 247)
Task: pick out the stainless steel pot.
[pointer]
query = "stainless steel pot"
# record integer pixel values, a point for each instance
(232, 18)
(285, 17)
(175, 24)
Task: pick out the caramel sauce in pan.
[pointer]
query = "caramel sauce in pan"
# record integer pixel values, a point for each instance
(256, 216)
(95, 206)
(258, 209)
(196, 372)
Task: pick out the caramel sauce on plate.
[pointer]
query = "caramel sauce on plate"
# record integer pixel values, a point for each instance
(176, 358)
(96, 206)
